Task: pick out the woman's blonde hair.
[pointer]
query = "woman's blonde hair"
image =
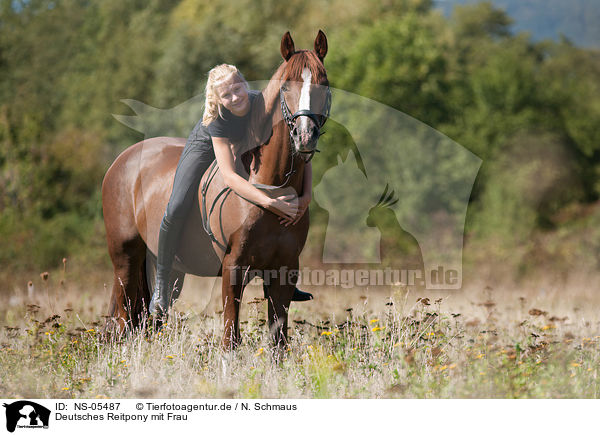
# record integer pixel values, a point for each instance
(217, 75)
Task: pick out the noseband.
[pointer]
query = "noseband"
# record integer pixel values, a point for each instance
(290, 119)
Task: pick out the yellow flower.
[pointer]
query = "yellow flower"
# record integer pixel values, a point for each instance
(169, 357)
(546, 327)
(326, 333)
(373, 320)
(575, 364)
(260, 351)
(377, 328)
(65, 388)
(442, 368)
(480, 356)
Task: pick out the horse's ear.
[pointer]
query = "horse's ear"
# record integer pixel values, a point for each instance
(287, 46)
(321, 45)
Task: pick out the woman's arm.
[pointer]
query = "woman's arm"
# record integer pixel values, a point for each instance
(303, 200)
(283, 206)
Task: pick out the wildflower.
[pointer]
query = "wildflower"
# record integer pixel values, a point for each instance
(91, 330)
(377, 328)
(546, 327)
(575, 364)
(442, 368)
(169, 356)
(260, 351)
(66, 388)
(326, 333)
(480, 356)
(373, 320)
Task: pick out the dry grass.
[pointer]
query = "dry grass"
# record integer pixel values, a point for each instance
(541, 342)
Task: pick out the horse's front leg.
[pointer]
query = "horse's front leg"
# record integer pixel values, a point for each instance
(280, 293)
(232, 296)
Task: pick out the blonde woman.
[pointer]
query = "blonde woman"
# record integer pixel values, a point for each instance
(225, 121)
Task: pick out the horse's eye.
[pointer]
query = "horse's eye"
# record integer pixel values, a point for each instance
(284, 87)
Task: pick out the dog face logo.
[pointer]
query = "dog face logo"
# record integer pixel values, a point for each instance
(26, 414)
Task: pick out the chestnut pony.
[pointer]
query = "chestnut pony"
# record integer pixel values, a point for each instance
(284, 128)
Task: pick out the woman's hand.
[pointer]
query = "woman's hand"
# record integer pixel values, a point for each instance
(303, 203)
(285, 206)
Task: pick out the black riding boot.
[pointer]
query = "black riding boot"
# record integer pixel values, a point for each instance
(168, 238)
(298, 296)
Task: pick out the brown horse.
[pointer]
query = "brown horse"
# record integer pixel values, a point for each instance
(284, 128)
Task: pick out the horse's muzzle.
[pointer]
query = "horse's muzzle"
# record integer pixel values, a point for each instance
(305, 135)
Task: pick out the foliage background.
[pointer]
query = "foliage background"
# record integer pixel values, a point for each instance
(528, 106)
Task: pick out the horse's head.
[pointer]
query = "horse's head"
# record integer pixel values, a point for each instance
(304, 93)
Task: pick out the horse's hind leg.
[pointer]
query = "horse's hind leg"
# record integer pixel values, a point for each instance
(130, 294)
(232, 289)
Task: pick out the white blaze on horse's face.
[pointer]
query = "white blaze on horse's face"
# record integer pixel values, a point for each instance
(304, 103)
(304, 125)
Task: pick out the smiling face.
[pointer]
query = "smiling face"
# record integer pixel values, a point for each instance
(233, 95)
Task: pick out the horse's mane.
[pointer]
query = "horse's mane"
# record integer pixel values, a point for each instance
(265, 113)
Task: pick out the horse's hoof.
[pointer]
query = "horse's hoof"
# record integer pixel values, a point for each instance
(156, 321)
(300, 296)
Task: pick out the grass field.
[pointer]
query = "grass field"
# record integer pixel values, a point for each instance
(532, 341)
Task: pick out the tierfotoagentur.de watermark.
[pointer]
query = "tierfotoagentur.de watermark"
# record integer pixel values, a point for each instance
(344, 278)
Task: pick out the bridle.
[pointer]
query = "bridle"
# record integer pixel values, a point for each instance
(290, 118)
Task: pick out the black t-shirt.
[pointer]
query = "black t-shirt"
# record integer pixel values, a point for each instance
(230, 126)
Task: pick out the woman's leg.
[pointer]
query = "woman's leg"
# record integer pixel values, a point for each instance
(194, 161)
